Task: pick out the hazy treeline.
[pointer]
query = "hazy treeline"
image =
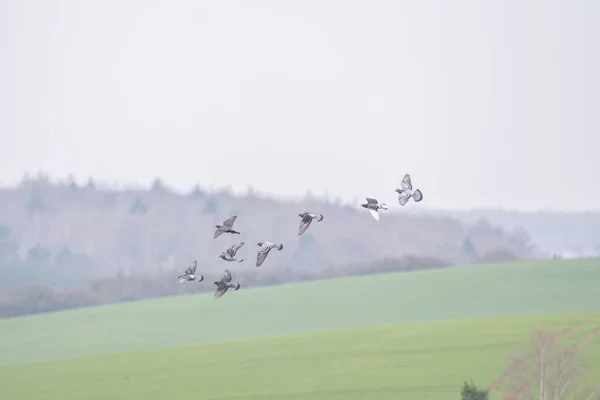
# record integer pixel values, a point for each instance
(547, 228)
(62, 234)
(38, 298)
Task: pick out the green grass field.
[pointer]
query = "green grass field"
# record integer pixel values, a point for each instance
(411, 335)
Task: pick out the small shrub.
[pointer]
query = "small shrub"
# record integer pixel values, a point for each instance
(470, 392)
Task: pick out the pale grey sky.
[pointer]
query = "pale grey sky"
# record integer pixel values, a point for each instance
(485, 103)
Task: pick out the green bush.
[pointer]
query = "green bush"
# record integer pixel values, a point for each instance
(470, 392)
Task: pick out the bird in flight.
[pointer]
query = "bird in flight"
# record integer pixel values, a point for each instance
(229, 254)
(306, 221)
(224, 285)
(374, 206)
(226, 227)
(190, 274)
(264, 249)
(406, 191)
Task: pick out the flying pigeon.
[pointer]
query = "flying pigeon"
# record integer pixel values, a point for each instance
(374, 206)
(263, 251)
(224, 285)
(190, 274)
(229, 255)
(406, 191)
(306, 220)
(226, 227)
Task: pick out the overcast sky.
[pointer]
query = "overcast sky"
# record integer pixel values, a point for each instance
(485, 103)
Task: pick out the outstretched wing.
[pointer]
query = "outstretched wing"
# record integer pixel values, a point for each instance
(236, 247)
(221, 289)
(304, 224)
(262, 255)
(417, 196)
(226, 276)
(191, 270)
(403, 198)
(229, 222)
(406, 182)
(374, 213)
(218, 233)
(371, 200)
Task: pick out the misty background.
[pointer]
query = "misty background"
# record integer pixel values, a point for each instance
(130, 128)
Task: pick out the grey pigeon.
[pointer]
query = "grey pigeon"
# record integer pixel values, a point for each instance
(224, 285)
(229, 255)
(190, 274)
(374, 206)
(226, 227)
(306, 220)
(264, 249)
(406, 191)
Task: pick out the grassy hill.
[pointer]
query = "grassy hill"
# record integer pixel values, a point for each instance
(337, 339)
(462, 292)
(425, 361)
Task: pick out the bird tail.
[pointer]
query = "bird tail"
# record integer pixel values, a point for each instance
(417, 196)
(280, 247)
(240, 260)
(383, 206)
(320, 218)
(201, 278)
(237, 286)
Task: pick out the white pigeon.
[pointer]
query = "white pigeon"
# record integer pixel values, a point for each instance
(374, 206)
(190, 274)
(263, 251)
(406, 191)
(229, 255)
(306, 220)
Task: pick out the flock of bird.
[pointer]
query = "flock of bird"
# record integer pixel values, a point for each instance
(405, 193)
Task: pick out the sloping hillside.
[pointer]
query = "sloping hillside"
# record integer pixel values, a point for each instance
(472, 291)
(421, 361)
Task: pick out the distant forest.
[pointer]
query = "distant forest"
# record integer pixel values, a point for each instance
(63, 239)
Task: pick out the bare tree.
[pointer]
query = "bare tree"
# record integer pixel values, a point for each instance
(590, 394)
(548, 371)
